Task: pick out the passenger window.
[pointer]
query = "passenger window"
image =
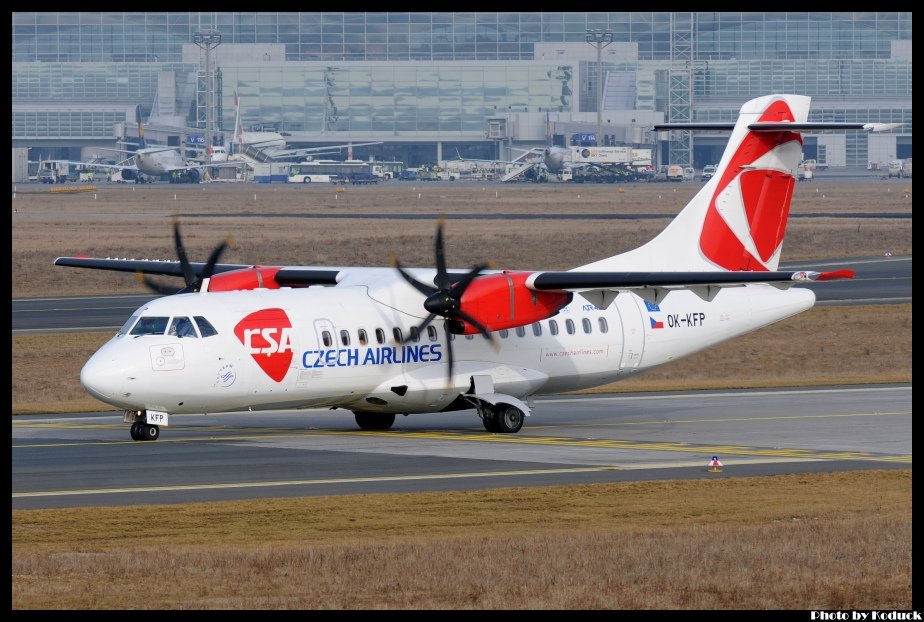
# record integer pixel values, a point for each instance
(150, 326)
(397, 334)
(431, 332)
(553, 327)
(569, 326)
(380, 335)
(415, 334)
(603, 326)
(205, 327)
(537, 329)
(503, 333)
(327, 339)
(521, 331)
(587, 325)
(363, 338)
(345, 337)
(181, 327)
(470, 336)
(127, 325)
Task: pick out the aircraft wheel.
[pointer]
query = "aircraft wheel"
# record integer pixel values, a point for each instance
(374, 421)
(135, 431)
(508, 419)
(307, 180)
(149, 432)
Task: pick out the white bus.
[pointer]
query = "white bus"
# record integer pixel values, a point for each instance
(331, 171)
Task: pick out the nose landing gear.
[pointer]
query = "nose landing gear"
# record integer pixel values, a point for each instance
(141, 431)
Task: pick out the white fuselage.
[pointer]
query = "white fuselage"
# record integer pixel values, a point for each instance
(299, 348)
(158, 161)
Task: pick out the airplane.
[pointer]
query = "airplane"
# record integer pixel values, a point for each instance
(274, 144)
(382, 341)
(155, 161)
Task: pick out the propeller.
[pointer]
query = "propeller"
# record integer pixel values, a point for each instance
(444, 300)
(193, 281)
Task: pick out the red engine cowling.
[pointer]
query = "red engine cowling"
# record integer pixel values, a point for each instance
(245, 278)
(503, 301)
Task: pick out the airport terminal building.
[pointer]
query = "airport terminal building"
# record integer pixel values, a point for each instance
(432, 86)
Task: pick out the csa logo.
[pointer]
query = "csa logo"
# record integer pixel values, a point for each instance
(266, 335)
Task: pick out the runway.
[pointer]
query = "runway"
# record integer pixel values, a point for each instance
(89, 460)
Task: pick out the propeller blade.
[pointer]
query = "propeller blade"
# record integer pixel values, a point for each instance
(442, 278)
(188, 275)
(156, 287)
(213, 259)
(418, 330)
(462, 315)
(449, 357)
(423, 288)
(459, 288)
(208, 269)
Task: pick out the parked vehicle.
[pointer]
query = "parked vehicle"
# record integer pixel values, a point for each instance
(708, 172)
(674, 173)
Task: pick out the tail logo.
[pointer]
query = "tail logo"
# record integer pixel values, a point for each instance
(746, 219)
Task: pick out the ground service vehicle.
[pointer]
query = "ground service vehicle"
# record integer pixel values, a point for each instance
(433, 172)
(324, 171)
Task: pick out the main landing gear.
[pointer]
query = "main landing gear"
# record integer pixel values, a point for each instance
(141, 431)
(501, 418)
(374, 421)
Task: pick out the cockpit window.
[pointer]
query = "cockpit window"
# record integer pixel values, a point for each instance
(205, 327)
(127, 325)
(182, 327)
(151, 325)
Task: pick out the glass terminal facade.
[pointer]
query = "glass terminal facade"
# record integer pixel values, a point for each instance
(427, 78)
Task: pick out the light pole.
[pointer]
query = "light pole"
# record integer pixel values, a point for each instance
(206, 40)
(600, 39)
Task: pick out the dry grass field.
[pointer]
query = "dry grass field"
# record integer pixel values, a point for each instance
(287, 225)
(823, 541)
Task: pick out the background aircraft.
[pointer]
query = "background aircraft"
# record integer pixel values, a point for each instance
(387, 341)
(274, 144)
(156, 161)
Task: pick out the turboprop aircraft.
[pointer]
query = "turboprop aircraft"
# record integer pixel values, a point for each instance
(382, 341)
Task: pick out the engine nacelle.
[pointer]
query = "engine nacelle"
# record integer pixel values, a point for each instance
(503, 301)
(244, 278)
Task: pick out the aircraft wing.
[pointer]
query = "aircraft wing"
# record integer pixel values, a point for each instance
(601, 287)
(525, 152)
(318, 150)
(288, 276)
(114, 167)
(226, 164)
